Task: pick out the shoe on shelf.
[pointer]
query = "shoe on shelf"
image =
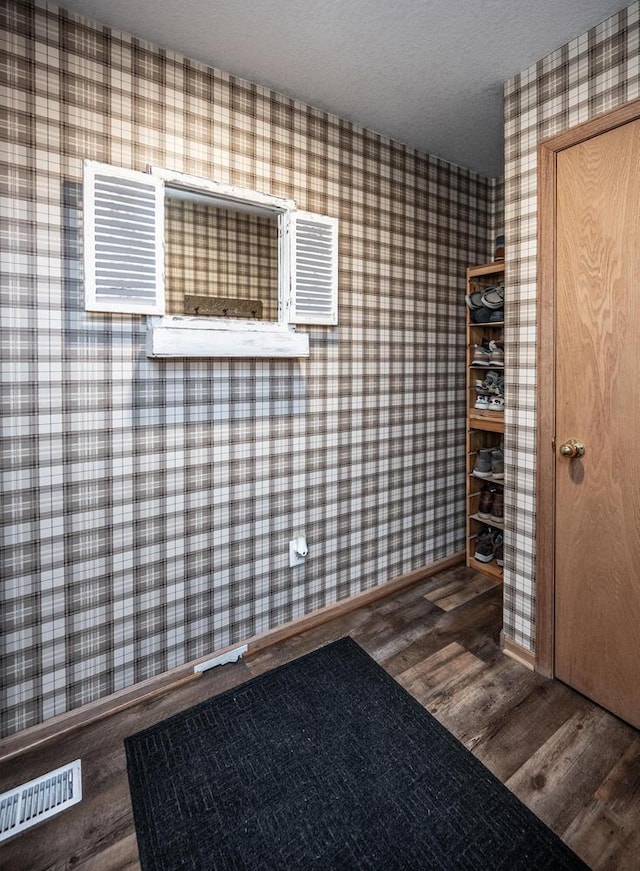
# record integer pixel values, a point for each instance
(496, 352)
(482, 402)
(497, 464)
(491, 383)
(474, 299)
(496, 316)
(498, 545)
(481, 356)
(481, 315)
(493, 297)
(485, 503)
(496, 403)
(484, 551)
(482, 466)
(497, 509)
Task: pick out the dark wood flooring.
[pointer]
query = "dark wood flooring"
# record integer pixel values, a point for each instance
(576, 766)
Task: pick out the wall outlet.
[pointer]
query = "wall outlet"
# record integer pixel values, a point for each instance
(298, 551)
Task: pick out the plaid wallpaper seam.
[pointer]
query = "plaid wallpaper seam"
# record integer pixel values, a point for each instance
(592, 74)
(147, 505)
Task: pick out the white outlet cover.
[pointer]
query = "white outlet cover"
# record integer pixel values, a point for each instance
(295, 558)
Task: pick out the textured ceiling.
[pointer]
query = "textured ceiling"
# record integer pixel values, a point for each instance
(428, 73)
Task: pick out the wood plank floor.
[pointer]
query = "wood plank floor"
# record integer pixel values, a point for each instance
(576, 766)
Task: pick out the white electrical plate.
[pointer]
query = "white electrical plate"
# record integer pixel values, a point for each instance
(295, 557)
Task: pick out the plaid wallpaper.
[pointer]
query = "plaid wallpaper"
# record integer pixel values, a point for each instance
(215, 252)
(148, 505)
(590, 75)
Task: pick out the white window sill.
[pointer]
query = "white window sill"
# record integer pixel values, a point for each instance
(176, 336)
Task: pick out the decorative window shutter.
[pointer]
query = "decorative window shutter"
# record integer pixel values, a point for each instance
(123, 240)
(313, 268)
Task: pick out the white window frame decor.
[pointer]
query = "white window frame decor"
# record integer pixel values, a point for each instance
(122, 211)
(307, 264)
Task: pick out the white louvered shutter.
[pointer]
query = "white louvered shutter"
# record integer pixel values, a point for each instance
(313, 269)
(123, 240)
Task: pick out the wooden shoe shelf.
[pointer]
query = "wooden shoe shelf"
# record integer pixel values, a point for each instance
(485, 428)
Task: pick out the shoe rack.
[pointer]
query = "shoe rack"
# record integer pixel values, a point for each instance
(485, 426)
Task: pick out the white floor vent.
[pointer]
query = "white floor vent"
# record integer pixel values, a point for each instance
(39, 799)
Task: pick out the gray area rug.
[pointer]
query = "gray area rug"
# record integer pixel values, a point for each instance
(324, 763)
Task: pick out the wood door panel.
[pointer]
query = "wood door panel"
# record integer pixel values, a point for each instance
(597, 537)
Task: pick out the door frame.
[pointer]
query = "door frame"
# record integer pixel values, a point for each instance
(546, 367)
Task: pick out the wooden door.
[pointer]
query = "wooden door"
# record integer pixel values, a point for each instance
(597, 380)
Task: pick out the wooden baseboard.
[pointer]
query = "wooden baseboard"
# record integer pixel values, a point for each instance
(323, 615)
(515, 651)
(36, 736)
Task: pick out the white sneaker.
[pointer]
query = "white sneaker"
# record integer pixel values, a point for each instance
(482, 402)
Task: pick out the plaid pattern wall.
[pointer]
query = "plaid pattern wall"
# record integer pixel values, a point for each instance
(590, 75)
(148, 505)
(215, 252)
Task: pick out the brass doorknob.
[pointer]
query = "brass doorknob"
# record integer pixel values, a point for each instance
(572, 448)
